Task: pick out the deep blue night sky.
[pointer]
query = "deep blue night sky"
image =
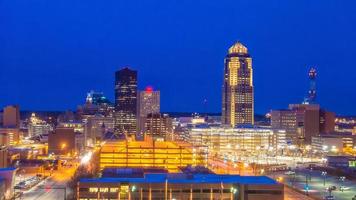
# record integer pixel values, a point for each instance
(53, 52)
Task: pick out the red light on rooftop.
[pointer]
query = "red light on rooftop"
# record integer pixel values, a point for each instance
(149, 89)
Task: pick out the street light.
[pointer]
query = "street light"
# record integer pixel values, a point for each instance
(307, 189)
(133, 188)
(307, 184)
(233, 190)
(86, 158)
(324, 173)
(342, 179)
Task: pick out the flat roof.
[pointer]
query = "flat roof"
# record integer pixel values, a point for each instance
(187, 179)
(8, 169)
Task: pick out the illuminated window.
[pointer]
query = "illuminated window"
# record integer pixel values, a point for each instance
(104, 189)
(93, 189)
(124, 189)
(114, 189)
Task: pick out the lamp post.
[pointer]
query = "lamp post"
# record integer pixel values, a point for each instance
(63, 146)
(307, 177)
(294, 177)
(324, 173)
(306, 185)
(342, 179)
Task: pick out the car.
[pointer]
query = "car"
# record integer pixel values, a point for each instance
(344, 188)
(21, 186)
(18, 187)
(329, 197)
(289, 173)
(333, 187)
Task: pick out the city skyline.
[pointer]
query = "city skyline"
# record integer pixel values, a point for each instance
(177, 100)
(80, 58)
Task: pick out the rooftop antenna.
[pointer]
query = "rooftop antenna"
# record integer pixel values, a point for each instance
(310, 99)
(205, 104)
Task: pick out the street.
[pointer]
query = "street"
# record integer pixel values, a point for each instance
(290, 194)
(54, 187)
(312, 183)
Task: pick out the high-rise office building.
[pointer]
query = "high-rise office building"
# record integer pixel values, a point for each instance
(238, 98)
(11, 116)
(302, 122)
(327, 122)
(308, 120)
(148, 103)
(97, 98)
(286, 119)
(126, 101)
(96, 104)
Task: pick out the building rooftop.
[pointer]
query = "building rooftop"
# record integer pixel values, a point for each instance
(238, 48)
(237, 127)
(130, 172)
(8, 169)
(114, 146)
(186, 179)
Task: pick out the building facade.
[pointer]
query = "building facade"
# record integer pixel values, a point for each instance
(180, 186)
(287, 120)
(224, 141)
(37, 126)
(148, 103)
(238, 90)
(158, 126)
(62, 141)
(3, 156)
(149, 153)
(126, 101)
(11, 116)
(327, 122)
(325, 144)
(96, 103)
(7, 176)
(9, 136)
(96, 128)
(302, 122)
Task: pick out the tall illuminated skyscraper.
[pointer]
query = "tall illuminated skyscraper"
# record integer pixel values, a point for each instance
(126, 101)
(148, 103)
(238, 98)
